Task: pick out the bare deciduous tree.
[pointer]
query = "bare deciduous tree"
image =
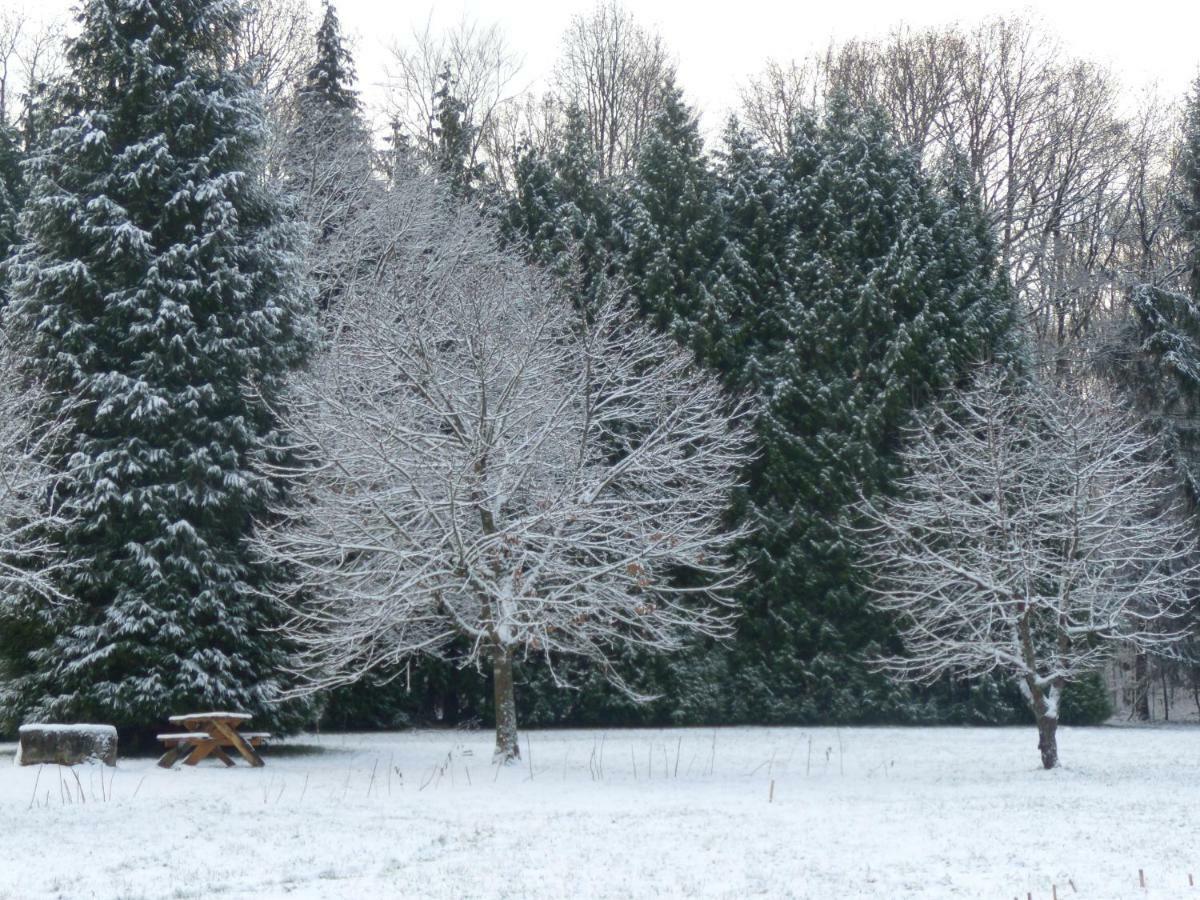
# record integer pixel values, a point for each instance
(31, 57)
(274, 45)
(480, 463)
(484, 69)
(1042, 132)
(29, 501)
(1149, 248)
(613, 69)
(1037, 531)
(775, 99)
(11, 26)
(331, 174)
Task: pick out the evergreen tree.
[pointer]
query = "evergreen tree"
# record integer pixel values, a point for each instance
(329, 79)
(1158, 359)
(850, 292)
(1154, 355)
(671, 227)
(453, 138)
(1189, 195)
(843, 287)
(561, 213)
(327, 161)
(400, 159)
(156, 290)
(12, 195)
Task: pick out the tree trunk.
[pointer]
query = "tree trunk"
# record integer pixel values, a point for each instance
(1166, 689)
(1141, 686)
(507, 748)
(1048, 740)
(1045, 712)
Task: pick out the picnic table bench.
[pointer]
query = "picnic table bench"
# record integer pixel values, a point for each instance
(207, 734)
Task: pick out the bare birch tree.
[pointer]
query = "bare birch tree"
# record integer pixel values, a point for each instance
(1036, 532)
(480, 463)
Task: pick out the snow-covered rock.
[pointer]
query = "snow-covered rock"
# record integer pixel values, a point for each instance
(66, 745)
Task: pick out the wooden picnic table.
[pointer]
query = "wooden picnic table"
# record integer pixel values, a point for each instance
(206, 733)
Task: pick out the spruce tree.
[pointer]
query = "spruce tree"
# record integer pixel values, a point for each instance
(1158, 360)
(844, 288)
(327, 163)
(1154, 356)
(157, 294)
(329, 80)
(12, 195)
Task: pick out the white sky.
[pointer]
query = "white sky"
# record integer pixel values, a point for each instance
(719, 45)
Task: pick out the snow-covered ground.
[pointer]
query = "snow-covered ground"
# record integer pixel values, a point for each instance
(880, 812)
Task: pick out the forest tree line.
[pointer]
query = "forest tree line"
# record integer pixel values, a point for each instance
(869, 227)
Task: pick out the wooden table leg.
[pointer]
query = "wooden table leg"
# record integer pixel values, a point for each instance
(168, 759)
(239, 743)
(222, 756)
(203, 748)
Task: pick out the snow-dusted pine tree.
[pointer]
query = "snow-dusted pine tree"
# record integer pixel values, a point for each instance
(670, 220)
(453, 135)
(850, 292)
(561, 213)
(1153, 353)
(327, 162)
(1157, 357)
(156, 295)
(11, 196)
(330, 79)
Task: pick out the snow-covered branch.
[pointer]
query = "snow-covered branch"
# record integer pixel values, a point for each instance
(480, 461)
(29, 497)
(1037, 529)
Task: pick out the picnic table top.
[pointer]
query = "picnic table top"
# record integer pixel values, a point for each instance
(211, 716)
(195, 736)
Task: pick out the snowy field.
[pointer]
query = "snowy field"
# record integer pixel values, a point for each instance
(677, 813)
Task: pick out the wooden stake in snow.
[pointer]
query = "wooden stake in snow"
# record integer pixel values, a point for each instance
(1191, 881)
(1142, 878)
